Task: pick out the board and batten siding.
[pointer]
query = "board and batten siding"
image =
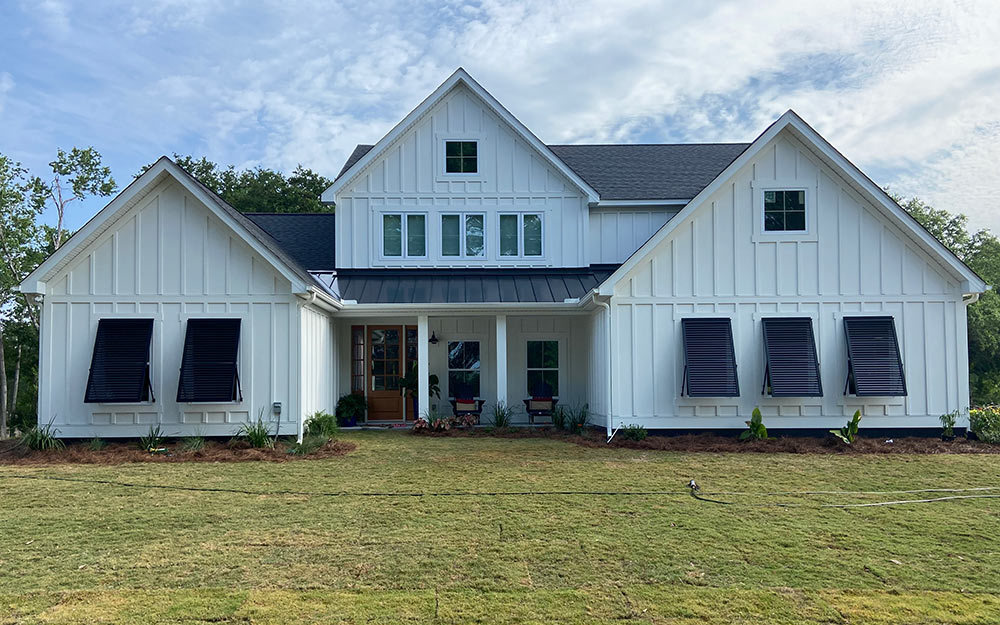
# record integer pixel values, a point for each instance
(409, 177)
(319, 377)
(616, 234)
(853, 261)
(169, 258)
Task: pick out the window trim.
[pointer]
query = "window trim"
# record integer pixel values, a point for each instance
(558, 369)
(448, 368)
(520, 234)
(441, 154)
(404, 219)
(760, 234)
(462, 233)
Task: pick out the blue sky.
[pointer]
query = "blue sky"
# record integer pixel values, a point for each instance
(910, 91)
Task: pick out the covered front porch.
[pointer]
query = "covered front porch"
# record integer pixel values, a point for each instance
(411, 366)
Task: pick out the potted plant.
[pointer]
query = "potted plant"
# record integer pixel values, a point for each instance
(350, 409)
(408, 386)
(948, 425)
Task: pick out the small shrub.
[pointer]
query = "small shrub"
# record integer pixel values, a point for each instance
(96, 444)
(321, 424)
(465, 420)
(756, 431)
(850, 431)
(256, 433)
(576, 419)
(352, 405)
(310, 444)
(502, 415)
(43, 438)
(153, 439)
(634, 432)
(985, 423)
(948, 421)
(433, 421)
(559, 418)
(193, 443)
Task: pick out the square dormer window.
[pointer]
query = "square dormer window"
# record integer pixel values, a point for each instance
(785, 210)
(460, 157)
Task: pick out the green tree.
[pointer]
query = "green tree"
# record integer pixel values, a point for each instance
(20, 244)
(75, 175)
(980, 250)
(259, 190)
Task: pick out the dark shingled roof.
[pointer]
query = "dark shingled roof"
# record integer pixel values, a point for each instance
(306, 237)
(649, 171)
(636, 171)
(464, 286)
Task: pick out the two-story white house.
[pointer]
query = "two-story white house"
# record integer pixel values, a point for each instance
(672, 286)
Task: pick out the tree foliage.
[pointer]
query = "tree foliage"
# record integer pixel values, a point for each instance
(75, 175)
(980, 250)
(259, 190)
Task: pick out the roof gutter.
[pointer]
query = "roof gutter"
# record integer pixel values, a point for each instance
(320, 298)
(638, 203)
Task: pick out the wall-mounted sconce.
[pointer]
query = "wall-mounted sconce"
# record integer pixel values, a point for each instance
(434, 339)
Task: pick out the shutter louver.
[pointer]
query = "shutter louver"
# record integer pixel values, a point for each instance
(119, 367)
(709, 358)
(874, 366)
(208, 365)
(791, 364)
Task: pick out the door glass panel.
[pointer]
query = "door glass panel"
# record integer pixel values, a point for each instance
(385, 359)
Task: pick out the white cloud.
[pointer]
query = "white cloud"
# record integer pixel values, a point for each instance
(906, 89)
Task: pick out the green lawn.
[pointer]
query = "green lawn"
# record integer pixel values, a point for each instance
(83, 552)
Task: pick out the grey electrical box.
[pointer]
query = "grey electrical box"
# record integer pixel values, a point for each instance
(277, 407)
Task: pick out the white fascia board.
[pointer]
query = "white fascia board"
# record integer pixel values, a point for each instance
(132, 194)
(136, 190)
(877, 195)
(971, 281)
(354, 309)
(298, 285)
(639, 203)
(459, 76)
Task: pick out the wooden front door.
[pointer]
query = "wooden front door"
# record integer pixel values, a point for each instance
(385, 366)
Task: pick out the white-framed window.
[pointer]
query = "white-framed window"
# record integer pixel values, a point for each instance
(543, 368)
(784, 210)
(404, 235)
(521, 235)
(464, 366)
(461, 156)
(463, 235)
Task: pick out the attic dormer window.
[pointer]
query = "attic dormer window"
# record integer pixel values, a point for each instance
(785, 210)
(460, 157)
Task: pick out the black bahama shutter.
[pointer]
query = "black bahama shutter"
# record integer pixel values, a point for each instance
(119, 368)
(208, 366)
(874, 366)
(709, 358)
(791, 365)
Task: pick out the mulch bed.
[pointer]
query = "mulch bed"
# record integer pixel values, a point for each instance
(12, 452)
(716, 443)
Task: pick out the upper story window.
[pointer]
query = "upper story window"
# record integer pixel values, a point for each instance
(461, 157)
(463, 235)
(404, 234)
(785, 210)
(521, 234)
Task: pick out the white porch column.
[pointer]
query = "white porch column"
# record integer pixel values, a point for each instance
(423, 368)
(501, 358)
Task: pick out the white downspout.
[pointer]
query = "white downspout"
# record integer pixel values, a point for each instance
(607, 306)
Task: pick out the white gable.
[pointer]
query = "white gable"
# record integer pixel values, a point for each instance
(515, 173)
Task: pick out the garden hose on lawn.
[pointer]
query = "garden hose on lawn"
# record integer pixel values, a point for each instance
(982, 492)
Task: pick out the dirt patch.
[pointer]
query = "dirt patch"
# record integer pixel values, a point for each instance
(716, 443)
(13, 452)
